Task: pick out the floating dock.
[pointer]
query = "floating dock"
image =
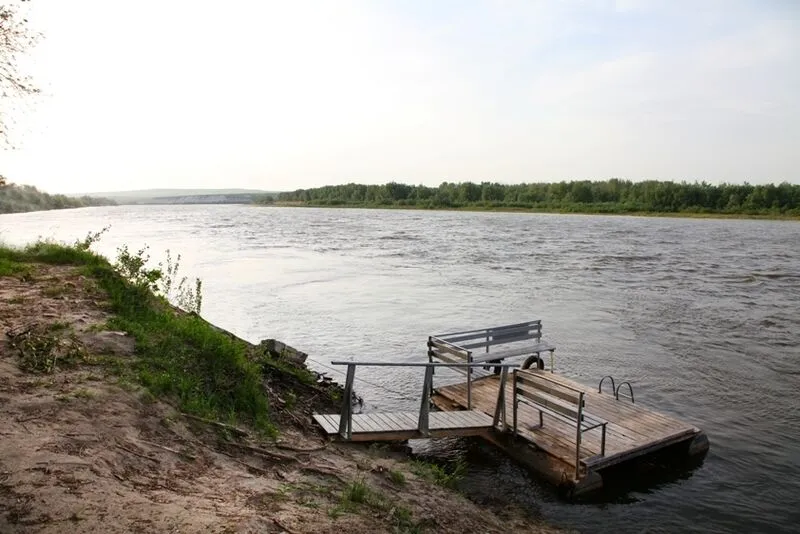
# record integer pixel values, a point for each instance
(565, 431)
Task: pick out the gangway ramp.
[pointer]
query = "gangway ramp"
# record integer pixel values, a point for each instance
(400, 426)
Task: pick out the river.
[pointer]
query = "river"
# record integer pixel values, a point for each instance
(701, 315)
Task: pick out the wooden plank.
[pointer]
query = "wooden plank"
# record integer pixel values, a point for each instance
(323, 422)
(527, 386)
(388, 422)
(405, 420)
(558, 438)
(550, 403)
(501, 341)
(459, 415)
(449, 348)
(460, 419)
(368, 421)
(333, 421)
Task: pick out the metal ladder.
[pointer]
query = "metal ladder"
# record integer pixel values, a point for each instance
(615, 391)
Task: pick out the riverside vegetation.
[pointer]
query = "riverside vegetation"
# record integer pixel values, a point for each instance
(122, 407)
(610, 196)
(21, 198)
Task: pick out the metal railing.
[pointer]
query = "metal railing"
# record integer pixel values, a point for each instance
(615, 390)
(346, 417)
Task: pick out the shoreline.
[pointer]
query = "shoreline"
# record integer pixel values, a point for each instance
(153, 418)
(535, 211)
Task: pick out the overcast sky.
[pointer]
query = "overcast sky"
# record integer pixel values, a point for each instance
(286, 94)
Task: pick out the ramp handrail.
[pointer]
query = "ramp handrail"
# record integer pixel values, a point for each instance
(346, 417)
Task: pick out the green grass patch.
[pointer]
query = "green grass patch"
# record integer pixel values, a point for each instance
(12, 268)
(446, 475)
(180, 356)
(397, 477)
(358, 494)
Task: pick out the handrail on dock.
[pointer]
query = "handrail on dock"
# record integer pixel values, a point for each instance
(346, 418)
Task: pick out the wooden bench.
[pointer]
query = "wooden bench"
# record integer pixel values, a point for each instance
(545, 393)
(490, 345)
(474, 346)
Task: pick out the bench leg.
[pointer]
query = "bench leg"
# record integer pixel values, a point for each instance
(516, 402)
(603, 442)
(541, 418)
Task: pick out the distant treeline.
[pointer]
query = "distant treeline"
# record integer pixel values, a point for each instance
(19, 198)
(609, 196)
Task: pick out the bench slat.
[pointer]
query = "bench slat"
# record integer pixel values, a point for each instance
(550, 388)
(436, 345)
(492, 342)
(484, 330)
(550, 403)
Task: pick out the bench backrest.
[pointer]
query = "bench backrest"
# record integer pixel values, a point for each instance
(542, 388)
(472, 340)
(446, 351)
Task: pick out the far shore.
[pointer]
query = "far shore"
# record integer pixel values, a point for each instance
(682, 215)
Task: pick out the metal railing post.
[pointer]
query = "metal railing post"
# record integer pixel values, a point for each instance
(469, 381)
(425, 404)
(514, 401)
(346, 418)
(500, 407)
(578, 438)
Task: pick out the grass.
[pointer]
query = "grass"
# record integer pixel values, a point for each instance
(447, 476)
(9, 267)
(180, 356)
(397, 477)
(359, 494)
(45, 350)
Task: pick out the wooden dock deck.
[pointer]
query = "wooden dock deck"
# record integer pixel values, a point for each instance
(564, 430)
(632, 430)
(400, 426)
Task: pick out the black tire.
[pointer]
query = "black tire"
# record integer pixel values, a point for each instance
(531, 360)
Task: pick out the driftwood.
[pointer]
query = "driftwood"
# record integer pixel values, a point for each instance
(298, 449)
(280, 525)
(264, 452)
(235, 430)
(140, 455)
(174, 451)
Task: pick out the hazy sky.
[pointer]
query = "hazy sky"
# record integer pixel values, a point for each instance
(287, 94)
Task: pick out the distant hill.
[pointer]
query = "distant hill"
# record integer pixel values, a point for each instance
(186, 196)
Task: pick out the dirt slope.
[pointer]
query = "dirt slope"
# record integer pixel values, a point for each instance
(84, 450)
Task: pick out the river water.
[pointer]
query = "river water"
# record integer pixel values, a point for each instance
(702, 316)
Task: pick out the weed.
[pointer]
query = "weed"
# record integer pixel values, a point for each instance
(178, 290)
(10, 267)
(403, 521)
(291, 400)
(18, 299)
(42, 351)
(441, 475)
(90, 239)
(83, 393)
(54, 292)
(356, 491)
(397, 477)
